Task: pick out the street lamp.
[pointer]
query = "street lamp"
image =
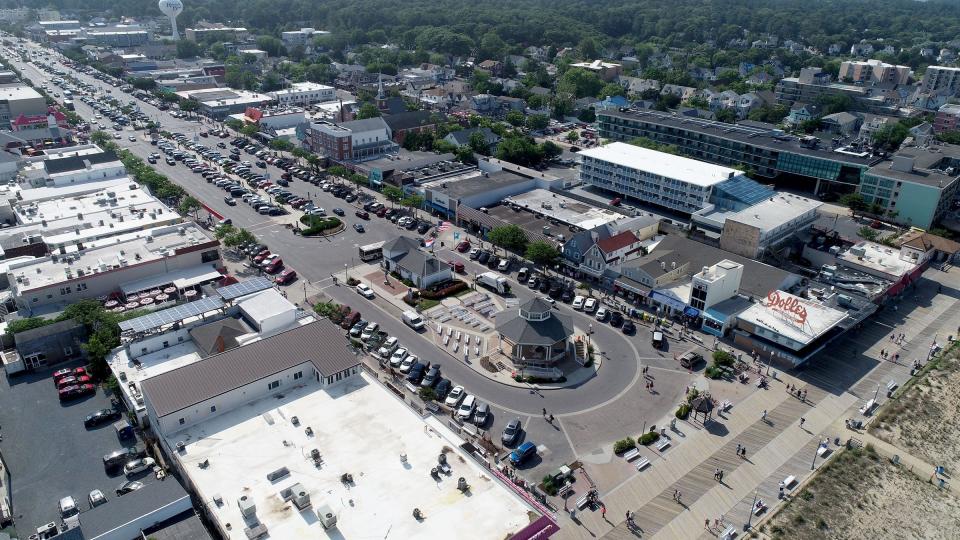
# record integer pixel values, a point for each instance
(344, 272)
(746, 526)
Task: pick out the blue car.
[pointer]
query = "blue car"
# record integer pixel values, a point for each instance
(523, 452)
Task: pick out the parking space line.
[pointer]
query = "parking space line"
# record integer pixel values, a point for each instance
(567, 437)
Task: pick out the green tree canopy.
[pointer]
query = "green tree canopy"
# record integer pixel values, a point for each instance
(368, 110)
(510, 237)
(542, 253)
(580, 83)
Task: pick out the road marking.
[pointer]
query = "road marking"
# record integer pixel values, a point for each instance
(567, 437)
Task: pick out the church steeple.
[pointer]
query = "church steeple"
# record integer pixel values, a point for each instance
(381, 95)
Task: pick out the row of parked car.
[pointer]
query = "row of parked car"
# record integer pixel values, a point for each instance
(261, 257)
(73, 383)
(466, 407)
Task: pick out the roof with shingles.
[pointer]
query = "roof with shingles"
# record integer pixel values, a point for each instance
(195, 383)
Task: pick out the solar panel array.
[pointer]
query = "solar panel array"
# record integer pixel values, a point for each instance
(169, 316)
(244, 288)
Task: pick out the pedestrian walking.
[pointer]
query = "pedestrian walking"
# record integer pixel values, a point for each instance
(550, 419)
(544, 412)
(802, 420)
(764, 415)
(706, 524)
(743, 452)
(603, 511)
(804, 395)
(676, 494)
(678, 498)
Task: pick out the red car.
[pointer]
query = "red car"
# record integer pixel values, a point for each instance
(73, 381)
(287, 276)
(457, 266)
(275, 266)
(381, 212)
(73, 392)
(68, 372)
(463, 247)
(261, 256)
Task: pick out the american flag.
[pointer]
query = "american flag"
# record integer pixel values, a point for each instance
(444, 226)
(428, 242)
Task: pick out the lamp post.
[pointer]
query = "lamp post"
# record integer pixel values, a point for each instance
(344, 272)
(746, 526)
(589, 338)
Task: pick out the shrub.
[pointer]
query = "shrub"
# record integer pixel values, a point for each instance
(352, 281)
(692, 395)
(624, 445)
(427, 393)
(723, 358)
(649, 438)
(318, 224)
(713, 372)
(548, 486)
(683, 411)
(442, 290)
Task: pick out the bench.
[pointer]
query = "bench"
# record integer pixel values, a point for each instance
(867, 407)
(725, 405)
(583, 501)
(891, 386)
(759, 508)
(662, 445)
(729, 533)
(642, 464)
(632, 454)
(822, 450)
(788, 481)
(567, 488)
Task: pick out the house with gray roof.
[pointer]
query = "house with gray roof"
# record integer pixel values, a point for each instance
(535, 337)
(462, 137)
(51, 344)
(312, 353)
(403, 256)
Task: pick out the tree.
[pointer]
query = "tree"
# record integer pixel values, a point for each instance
(271, 45)
(189, 105)
(282, 145)
(612, 89)
(368, 110)
(239, 237)
(853, 201)
(573, 136)
(100, 138)
(392, 193)
(510, 237)
(478, 143)
(515, 118)
(537, 121)
(223, 231)
(589, 49)
(542, 253)
(587, 115)
(142, 83)
(465, 155)
(651, 144)
(250, 130)
(580, 83)
(413, 202)
(550, 150)
(190, 205)
(187, 49)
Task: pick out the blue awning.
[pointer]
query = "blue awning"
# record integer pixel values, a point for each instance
(691, 312)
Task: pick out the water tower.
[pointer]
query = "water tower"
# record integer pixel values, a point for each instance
(172, 8)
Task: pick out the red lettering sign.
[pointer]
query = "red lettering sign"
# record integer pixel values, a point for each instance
(790, 306)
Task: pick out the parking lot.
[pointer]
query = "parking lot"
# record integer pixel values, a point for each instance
(49, 452)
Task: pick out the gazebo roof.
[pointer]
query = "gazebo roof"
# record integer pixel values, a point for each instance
(545, 332)
(702, 404)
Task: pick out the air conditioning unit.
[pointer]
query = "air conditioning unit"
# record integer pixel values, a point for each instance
(327, 518)
(247, 507)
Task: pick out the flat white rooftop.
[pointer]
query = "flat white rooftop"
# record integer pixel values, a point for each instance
(796, 318)
(877, 257)
(18, 91)
(680, 168)
(106, 254)
(149, 365)
(31, 195)
(564, 209)
(360, 429)
(297, 88)
(771, 213)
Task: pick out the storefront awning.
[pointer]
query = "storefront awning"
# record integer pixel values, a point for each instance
(632, 285)
(179, 278)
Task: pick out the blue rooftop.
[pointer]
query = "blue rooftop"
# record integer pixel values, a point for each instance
(738, 193)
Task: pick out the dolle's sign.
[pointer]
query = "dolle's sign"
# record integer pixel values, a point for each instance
(789, 306)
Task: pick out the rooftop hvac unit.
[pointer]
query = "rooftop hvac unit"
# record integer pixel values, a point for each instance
(327, 518)
(247, 508)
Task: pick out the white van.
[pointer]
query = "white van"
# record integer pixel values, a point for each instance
(69, 511)
(465, 411)
(413, 320)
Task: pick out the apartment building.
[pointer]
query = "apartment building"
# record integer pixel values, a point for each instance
(942, 79)
(303, 94)
(859, 71)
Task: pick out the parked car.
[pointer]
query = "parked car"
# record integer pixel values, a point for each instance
(481, 415)
(503, 265)
(138, 465)
(463, 247)
(523, 453)
(511, 433)
(102, 416)
(455, 396)
(74, 392)
(602, 314)
(397, 357)
(365, 291)
(590, 305)
(416, 373)
(465, 410)
(442, 389)
(628, 328)
(474, 253)
(287, 276)
(357, 329)
(387, 348)
(408, 363)
(338, 211)
(68, 372)
(371, 331)
(121, 456)
(432, 376)
(578, 302)
(128, 487)
(96, 498)
(274, 266)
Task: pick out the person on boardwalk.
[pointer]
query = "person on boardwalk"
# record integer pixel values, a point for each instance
(802, 421)
(721, 476)
(764, 415)
(544, 412)
(603, 511)
(743, 452)
(706, 524)
(738, 449)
